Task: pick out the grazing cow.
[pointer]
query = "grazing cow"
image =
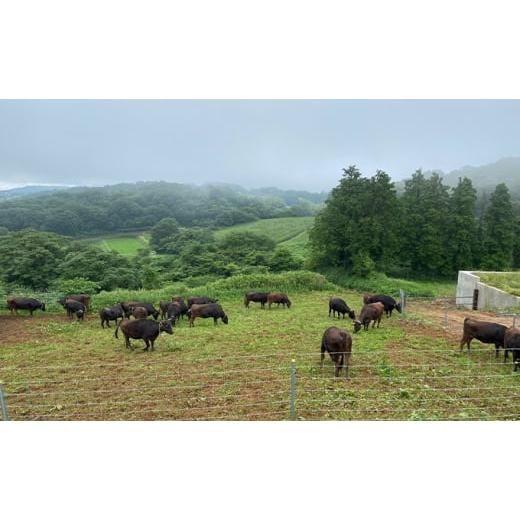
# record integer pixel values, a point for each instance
(147, 330)
(278, 298)
(484, 331)
(512, 343)
(83, 298)
(128, 306)
(27, 304)
(200, 300)
(258, 297)
(182, 305)
(75, 308)
(389, 303)
(337, 305)
(139, 313)
(338, 343)
(174, 311)
(207, 310)
(109, 314)
(369, 312)
(163, 305)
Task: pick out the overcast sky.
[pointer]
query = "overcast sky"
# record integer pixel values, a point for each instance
(290, 144)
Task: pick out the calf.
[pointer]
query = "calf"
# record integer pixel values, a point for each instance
(484, 331)
(278, 298)
(258, 297)
(369, 312)
(389, 303)
(512, 343)
(337, 305)
(73, 307)
(147, 330)
(28, 304)
(207, 310)
(200, 300)
(338, 343)
(109, 314)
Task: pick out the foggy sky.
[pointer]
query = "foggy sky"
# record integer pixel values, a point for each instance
(289, 144)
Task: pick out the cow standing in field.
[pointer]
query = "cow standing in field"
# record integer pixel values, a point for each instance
(182, 305)
(389, 303)
(258, 297)
(147, 330)
(338, 343)
(27, 304)
(200, 300)
(75, 308)
(207, 310)
(109, 314)
(370, 312)
(512, 343)
(337, 305)
(278, 298)
(82, 298)
(129, 306)
(484, 331)
(139, 313)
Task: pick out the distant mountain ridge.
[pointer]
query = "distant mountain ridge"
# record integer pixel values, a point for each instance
(25, 191)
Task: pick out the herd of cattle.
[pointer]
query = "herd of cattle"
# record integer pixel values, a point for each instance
(335, 341)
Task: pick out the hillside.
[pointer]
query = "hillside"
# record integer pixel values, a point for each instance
(79, 212)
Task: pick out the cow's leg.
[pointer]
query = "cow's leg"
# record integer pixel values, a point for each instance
(338, 366)
(152, 341)
(128, 345)
(147, 343)
(347, 363)
(214, 321)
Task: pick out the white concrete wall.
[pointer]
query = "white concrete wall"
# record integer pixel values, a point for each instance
(488, 297)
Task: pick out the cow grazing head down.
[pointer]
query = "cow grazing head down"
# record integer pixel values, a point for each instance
(357, 326)
(43, 306)
(225, 319)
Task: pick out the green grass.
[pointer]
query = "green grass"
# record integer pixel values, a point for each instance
(281, 230)
(380, 283)
(508, 282)
(56, 369)
(125, 244)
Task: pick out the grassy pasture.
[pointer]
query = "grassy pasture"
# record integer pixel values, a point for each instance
(408, 369)
(125, 244)
(508, 282)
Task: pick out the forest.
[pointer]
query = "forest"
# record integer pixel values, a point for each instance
(364, 229)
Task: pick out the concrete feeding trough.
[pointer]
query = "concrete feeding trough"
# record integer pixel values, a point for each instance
(476, 295)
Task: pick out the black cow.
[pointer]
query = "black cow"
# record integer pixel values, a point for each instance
(338, 343)
(337, 305)
(147, 330)
(128, 306)
(207, 310)
(512, 343)
(83, 298)
(109, 314)
(389, 303)
(484, 331)
(258, 297)
(278, 298)
(200, 300)
(27, 304)
(182, 305)
(73, 307)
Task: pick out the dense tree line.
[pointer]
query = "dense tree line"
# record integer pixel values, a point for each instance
(83, 211)
(46, 261)
(431, 229)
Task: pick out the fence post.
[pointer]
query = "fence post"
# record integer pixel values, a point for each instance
(402, 298)
(3, 403)
(292, 405)
(445, 314)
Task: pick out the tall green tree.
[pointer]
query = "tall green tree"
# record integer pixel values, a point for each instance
(424, 232)
(462, 226)
(359, 220)
(499, 225)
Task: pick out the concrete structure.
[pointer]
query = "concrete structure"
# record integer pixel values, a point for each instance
(472, 293)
